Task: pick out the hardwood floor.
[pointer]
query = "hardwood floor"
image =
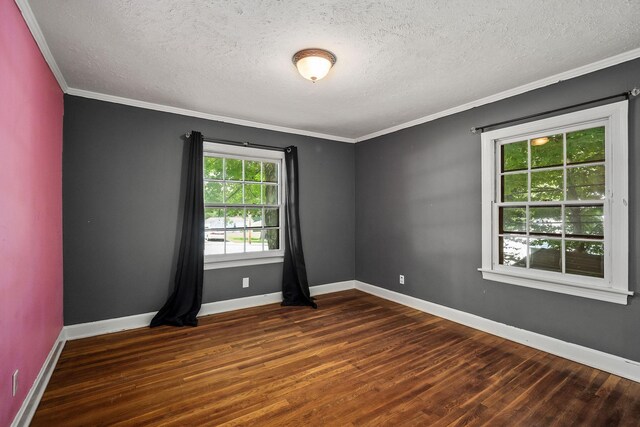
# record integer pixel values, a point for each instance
(357, 360)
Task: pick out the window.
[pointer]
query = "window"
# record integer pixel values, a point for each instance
(554, 204)
(243, 199)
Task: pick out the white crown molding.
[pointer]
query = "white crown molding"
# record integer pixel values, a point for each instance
(547, 81)
(90, 329)
(36, 32)
(32, 400)
(191, 113)
(33, 26)
(585, 355)
(32, 23)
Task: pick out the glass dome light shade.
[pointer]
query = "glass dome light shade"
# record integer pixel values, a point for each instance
(314, 64)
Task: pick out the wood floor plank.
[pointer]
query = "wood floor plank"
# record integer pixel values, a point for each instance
(357, 360)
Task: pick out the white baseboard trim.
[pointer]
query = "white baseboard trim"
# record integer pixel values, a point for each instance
(32, 400)
(577, 353)
(275, 297)
(587, 356)
(332, 287)
(90, 329)
(107, 326)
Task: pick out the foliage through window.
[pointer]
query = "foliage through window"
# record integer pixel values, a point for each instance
(548, 202)
(551, 212)
(243, 203)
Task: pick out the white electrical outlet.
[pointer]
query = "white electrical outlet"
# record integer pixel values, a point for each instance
(245, 282)
(402, 279)
(14, 389)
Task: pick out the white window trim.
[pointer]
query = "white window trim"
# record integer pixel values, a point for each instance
(615, 286)
(212, 262)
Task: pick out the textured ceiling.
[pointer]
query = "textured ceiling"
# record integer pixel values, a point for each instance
(398, 60)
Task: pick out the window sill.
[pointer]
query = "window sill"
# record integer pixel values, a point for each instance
(616, 296)
(213, 265)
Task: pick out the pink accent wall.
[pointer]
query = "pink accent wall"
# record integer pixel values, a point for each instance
(31, 110)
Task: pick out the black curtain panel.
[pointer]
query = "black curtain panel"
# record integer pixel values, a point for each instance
(184, 303)
(295, 287)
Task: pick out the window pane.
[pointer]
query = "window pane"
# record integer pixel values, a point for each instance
(545, 220)
(235, 241)
(271, 239)
(213, 192)
(513, 251)
(271, 217)
(585, 183)
(585, 145)
(545, 254)
(213, 236)
(213, 168)
(270, 172)
(271, 194)
(252, 171)
(238, 224)
(547, 151)
(546, 185)
(585, 258)
(514, 187)
(233, 169)
(254, 217)
(513, 220)
(514, 156)
(235, 217)
(214, 246)
(253, 194)
(233, 193)
(213, 218)
(584, 221)
(254, 241)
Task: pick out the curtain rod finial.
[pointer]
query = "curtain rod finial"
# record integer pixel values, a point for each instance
(474, 130)
(635, 91)
(188, 134)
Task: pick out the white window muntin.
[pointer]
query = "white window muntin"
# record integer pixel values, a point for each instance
(211, 149)
(614, 286)
(563, 203)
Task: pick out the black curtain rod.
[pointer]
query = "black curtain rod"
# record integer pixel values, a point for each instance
(633, 92)
(239, 143)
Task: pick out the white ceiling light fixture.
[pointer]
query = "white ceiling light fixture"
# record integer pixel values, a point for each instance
(314, 64)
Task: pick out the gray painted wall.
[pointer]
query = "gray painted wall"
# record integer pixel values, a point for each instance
(418, 202)
(122, 200)
(417, 213)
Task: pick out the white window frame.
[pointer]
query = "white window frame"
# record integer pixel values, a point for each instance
(256, 154)
(614, 287)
